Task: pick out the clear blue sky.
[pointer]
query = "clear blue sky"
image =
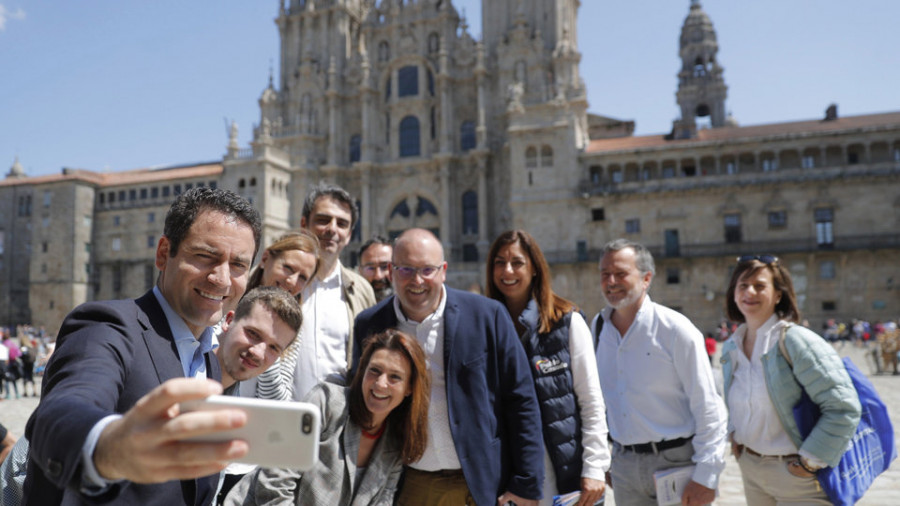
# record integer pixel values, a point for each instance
(114, 85)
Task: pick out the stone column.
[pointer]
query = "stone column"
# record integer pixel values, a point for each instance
(445, 206)
(484, 240)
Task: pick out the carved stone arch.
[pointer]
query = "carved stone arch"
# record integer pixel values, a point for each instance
(413, 210)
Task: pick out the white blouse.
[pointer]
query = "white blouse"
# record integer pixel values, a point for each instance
(753, 416)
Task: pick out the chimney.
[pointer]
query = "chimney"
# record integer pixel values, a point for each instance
(831, 113)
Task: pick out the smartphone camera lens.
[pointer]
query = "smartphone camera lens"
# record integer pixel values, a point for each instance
(307, 423)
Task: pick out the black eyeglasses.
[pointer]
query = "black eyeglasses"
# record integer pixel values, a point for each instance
(766, 259)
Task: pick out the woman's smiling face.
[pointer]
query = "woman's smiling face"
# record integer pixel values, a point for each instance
(513, 272)
(756, 296)
(386, 383)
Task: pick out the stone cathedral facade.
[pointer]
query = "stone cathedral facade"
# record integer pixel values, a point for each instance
(395, 101)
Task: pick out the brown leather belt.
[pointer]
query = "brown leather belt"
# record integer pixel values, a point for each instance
(741, 448)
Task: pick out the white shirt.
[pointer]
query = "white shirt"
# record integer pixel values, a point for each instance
(596, 457)
(323, 337)
(440, 453)
(752, 415)
(4, 353)
(658, 385)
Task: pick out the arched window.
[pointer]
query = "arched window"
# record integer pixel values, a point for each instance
(699, 67)
(470, 212)
(408, 81)
(546, 156)
(409, 136)
(430, 83)
(387, 90)
(384, 51)
(467, 135)
(531, 157)
(425, 206)
(252, 181)
(401, 209)
(241, 183)
(355, 148)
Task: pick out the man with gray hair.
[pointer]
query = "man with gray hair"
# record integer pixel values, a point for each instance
(332, 300)
(661, 400)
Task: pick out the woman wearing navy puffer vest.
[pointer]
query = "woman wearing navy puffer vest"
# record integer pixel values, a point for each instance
(558, 343)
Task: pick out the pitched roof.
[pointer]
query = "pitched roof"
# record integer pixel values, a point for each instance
(753, 132)
(128, 177)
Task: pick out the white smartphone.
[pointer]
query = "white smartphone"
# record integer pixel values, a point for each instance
(279, 433)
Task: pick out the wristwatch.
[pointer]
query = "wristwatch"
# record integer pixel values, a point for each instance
(806, 465)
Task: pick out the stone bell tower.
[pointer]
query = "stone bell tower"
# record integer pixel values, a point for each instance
(701, 87)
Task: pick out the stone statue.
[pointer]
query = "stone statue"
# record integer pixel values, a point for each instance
(514, 94)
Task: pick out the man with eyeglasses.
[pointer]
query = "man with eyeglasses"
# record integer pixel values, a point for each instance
(661, 402)
(484, 427)
(375, 265)
(334, 297)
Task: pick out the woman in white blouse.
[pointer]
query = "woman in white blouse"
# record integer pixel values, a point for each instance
(761, 388)
(559, 347)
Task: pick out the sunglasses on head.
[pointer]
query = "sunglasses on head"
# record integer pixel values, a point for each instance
(766, 259)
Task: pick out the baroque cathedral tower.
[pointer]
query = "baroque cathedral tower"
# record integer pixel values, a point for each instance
(701, 86)
(427, 127)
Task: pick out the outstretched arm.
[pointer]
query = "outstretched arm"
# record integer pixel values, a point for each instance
(148, 444)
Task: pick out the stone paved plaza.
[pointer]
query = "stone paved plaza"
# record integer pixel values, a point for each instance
(886, 490)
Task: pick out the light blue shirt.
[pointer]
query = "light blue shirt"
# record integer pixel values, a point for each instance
(191, 350)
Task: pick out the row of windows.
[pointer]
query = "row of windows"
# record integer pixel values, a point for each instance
(410, 137)
(384, 48)
(767, 161)
(827, 271)
(823, 218)
(155, 192)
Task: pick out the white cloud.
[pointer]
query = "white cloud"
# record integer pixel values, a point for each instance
(6, 14)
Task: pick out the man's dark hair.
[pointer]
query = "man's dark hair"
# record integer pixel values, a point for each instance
(333, 191)
(190, 204)
(376, 239)
(274, 299)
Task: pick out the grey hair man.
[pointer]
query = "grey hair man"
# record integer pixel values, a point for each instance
(661, 400)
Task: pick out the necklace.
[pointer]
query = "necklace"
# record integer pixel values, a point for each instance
(376, 435)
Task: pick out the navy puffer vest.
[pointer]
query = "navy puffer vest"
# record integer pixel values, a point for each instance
(551, 362)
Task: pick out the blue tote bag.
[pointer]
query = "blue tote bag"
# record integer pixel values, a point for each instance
(870, 450)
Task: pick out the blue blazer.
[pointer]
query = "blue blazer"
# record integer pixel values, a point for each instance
(108, 355)
(494, 415)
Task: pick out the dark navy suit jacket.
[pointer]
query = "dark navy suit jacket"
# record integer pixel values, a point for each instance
(494, 415)
(108, 355)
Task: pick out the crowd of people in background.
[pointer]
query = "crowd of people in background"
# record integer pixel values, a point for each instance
(429, 395)
(24, 352)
